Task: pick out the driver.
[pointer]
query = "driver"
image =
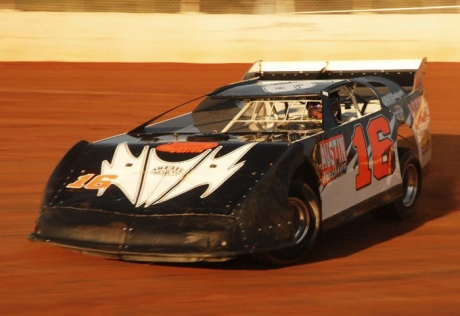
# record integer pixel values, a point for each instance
(315, 110)
(335, 105)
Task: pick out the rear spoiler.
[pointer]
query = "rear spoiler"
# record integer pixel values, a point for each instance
(409, 73)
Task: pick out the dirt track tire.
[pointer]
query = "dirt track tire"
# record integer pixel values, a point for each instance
(411, 174)
(306, 220)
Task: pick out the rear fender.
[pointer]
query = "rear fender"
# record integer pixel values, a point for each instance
(406, 138)
(414, 131)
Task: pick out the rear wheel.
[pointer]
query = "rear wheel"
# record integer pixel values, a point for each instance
(412, 185)
(411, 175)
(304, 209)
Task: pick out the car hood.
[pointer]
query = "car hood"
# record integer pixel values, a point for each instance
(127, 175)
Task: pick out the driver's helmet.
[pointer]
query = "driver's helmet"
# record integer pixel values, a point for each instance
(315, 110)
(335, 104)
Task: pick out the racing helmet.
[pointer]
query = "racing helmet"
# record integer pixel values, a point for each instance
(315, 110)
(335, 104)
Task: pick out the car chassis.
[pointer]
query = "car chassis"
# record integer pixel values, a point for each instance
(250, 170)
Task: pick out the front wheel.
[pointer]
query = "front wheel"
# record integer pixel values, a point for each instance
(305, 214)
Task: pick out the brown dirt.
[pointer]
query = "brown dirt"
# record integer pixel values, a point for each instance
(368, 267)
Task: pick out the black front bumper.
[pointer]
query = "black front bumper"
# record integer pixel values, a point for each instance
(151, 238)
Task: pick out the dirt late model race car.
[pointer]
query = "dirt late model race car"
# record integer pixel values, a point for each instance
(259, 167)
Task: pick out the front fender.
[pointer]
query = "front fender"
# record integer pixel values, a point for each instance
(263, 218)
(59, 175)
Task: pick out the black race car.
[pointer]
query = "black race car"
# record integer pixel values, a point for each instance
(259, 167)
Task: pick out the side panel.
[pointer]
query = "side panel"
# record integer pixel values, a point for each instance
(358, 162)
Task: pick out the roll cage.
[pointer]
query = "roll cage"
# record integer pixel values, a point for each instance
(363, 87)
(356, 98)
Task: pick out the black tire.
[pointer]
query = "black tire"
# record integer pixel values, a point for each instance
(306, 221)
(411, 174)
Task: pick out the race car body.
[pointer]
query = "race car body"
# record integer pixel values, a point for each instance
(259, 167)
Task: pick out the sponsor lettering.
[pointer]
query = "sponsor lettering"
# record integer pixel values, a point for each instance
(399, 113)
(187, 148)
(393, 97)
(333, 158)
(167, 170)
(414, 105)
(284, 87)
(421, 122)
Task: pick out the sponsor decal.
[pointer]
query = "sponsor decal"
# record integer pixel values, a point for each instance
(421, 122)
(186, 148)
(393, 97)
(168, 170)
(333, 158)
(399, 113)
(147, 179)
(418, 82)
(414, 105)
(287, 86)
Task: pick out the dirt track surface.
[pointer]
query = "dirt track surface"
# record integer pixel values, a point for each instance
(369, 267)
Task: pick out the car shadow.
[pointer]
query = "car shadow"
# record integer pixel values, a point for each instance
(437, 200)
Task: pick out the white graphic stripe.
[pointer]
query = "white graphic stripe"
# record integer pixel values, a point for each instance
(163, 180)
(128, 170)
(211, 171)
